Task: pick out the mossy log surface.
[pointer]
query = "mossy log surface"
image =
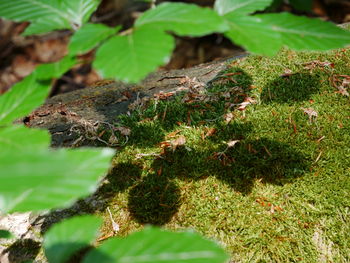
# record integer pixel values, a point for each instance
(103, 104)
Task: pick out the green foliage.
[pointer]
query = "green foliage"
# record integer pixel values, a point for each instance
(142, 51)
(32, 175)
(89, 36)
(56, 69)
(154, 245)
(302, 33)
(16, 137)
(38, 178)
(240, 7)
(48, 16)
(158, 246)
(250, 32)
(278, 30)
(22, 98)
(69, 236)
(179, 18)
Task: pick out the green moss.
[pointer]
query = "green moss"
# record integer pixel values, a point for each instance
(280, 195)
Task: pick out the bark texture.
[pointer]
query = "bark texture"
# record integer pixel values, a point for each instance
(73, 118)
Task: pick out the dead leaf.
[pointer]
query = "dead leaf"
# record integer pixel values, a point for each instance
(22, 66)
(210, 132)
(165, 144)
(189, 118)
(127, 94)
(163, 95)
(123, 130)
(173, 144)
(247, 101)
(278, 208)
(343, 91)
(287, 73)
(7, 79)
(316, 63)
(113, 140)
(232, 74)
(179, 141)
(101, 133)
(91, 77)
(51, 50)
(341, 83)
(224, 159)
(232, 143)
(172, 134)
(226, 95)
(160, 171)
(310, 112)
(346, 80)
(228, 117)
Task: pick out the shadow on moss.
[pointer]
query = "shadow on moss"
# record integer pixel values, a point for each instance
(154, 198)
(290, 89)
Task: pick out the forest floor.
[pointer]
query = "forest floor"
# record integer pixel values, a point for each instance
(259, 162)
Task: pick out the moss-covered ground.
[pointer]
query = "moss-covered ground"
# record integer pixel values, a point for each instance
(281, 193)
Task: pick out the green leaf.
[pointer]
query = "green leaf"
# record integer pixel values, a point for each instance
(45, 25)
(254, 35)
(69, 236)
(183, 19)
(158, 246)
(5, 234)
(56, 69)
(17, 137)
(46, 16)
(267, 33)
(29, 10)
(302, 33)
(79, 11)
(22, 98)
(240, 7)
(39, 179)
(134, 55)
(89, 36)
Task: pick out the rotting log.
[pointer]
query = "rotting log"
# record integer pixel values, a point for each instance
(73, 117)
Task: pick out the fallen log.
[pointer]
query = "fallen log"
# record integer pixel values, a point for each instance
(73, 117)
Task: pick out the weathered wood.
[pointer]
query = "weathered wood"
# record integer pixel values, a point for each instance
(68, 116)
